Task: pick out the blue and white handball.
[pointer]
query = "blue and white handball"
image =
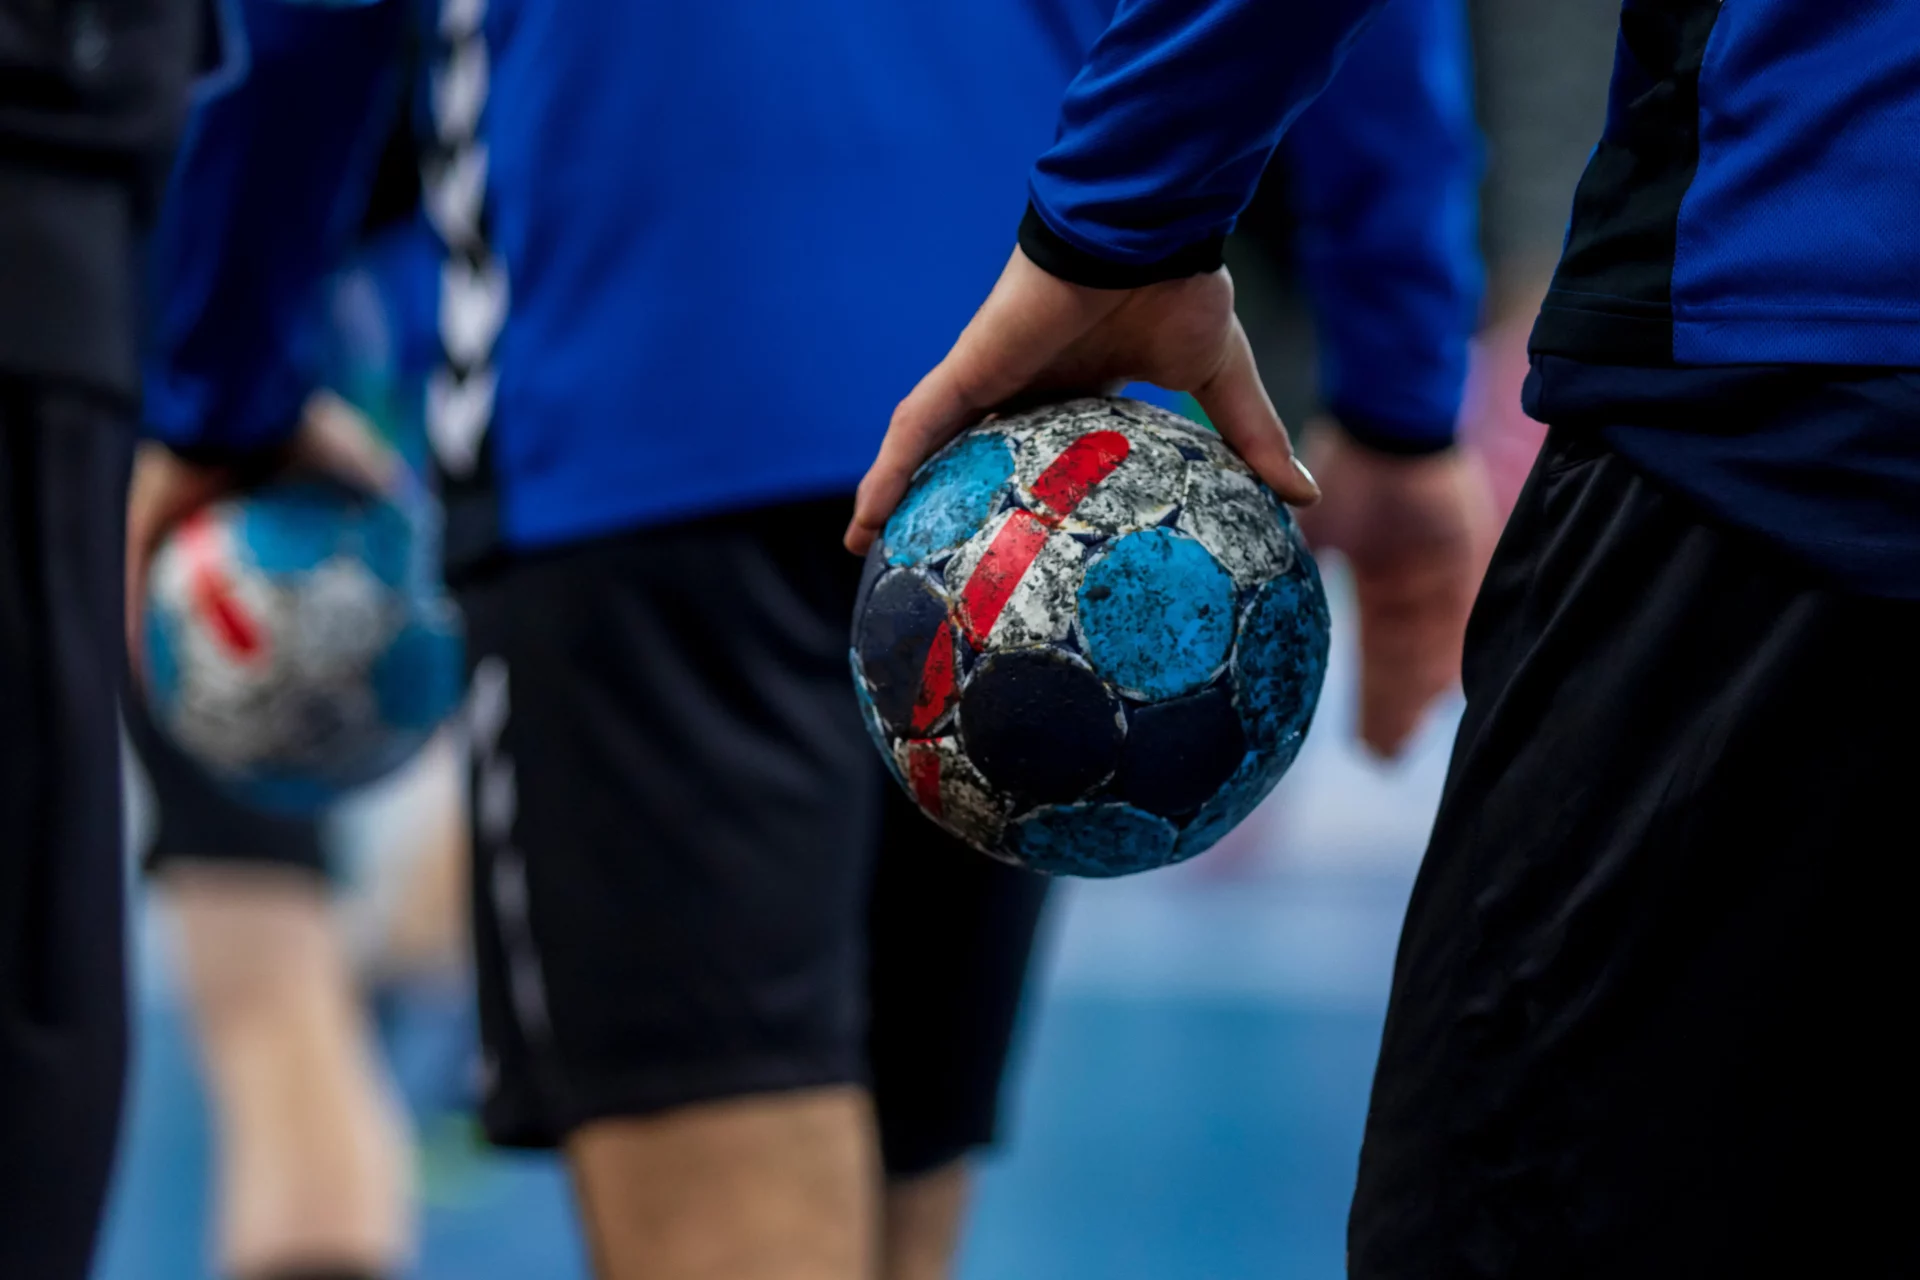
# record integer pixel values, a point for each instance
(297, 643)
(1090, 640)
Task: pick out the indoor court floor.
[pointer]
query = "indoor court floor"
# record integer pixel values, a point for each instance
(1194, 1079)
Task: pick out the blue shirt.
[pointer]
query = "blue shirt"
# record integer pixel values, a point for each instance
(1738, 305)
(1754, 197)
(701, 249)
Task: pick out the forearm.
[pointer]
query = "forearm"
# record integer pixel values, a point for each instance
(266, 192)
(1384, 174)
(1165, 131)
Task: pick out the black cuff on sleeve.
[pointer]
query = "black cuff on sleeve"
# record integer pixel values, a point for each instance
(249, 465)
(1398, 444)
(1056, 257)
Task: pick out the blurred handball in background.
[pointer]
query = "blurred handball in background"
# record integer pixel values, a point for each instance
(297, 642)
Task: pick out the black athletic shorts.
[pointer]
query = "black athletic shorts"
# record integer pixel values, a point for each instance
(1651, 1010)
(196, 820)
(694, 880)
(63, 1012)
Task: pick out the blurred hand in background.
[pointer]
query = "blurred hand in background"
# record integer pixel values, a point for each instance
(333, 439)
(1416, 533)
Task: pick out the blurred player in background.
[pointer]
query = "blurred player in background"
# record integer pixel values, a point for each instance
(90, 99)
(315, 1164)
(695, 252)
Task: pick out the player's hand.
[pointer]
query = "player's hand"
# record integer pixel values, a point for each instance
(1416, 533)
(333, 439)
(1038, 337)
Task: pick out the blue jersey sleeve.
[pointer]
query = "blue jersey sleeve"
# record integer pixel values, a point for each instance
(1167, 128)
(266, 192)
(1384, 172)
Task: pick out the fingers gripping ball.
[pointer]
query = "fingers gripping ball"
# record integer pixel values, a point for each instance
(1089, 641)
(297, 643)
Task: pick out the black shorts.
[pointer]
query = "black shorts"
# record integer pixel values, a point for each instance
(63, 1012)
(1651, 1007)
(196, 820)
(694, 879)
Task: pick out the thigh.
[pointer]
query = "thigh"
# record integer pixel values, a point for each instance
(674, 808)
(63, 467)
(1639, 1020)
(952, 934)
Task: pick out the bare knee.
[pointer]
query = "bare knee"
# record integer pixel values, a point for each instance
(922, 1218)
(251, 936)
(314, 1157)
(772, 1187)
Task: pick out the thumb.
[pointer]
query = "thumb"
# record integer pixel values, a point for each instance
(165, 490)
(1237, 404)
(1028, 320)
(338, 440)
(934, 412)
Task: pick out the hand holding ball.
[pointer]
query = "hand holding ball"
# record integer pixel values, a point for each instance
(296, 642)
(1090, 641)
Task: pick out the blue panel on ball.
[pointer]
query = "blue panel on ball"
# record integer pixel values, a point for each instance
(1179, 753)
(386, 544)
(291, 795)
(162, 663)
(1039, 725)
(417, 679)
(291, 528)
(1093, 840)
(1281, 659)
(894, 635)
(1156, 614)
(951, 499)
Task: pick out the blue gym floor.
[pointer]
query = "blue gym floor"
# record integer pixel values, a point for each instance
(1192, 1087)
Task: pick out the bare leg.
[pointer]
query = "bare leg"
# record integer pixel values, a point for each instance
(777, 1187)
(921, 1223)
(407, 919)
(314, 1157)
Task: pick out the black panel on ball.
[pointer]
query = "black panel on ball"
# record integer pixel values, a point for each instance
(902, 618)
(871, 571)
(1180, 752)
(1040, 725)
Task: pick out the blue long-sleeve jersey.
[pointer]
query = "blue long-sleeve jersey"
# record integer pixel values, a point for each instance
(696, 252)
(1754, 197)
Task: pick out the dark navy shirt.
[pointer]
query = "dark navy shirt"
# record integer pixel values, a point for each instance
(1822, 461)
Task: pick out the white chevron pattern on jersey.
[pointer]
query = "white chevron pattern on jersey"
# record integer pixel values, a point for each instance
(474, 294)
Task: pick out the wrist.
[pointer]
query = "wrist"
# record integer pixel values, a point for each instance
(1058, 256)
(239, 465)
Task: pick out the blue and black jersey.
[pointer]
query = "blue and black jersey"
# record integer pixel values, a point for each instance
(1755, 197)
(1738, 306)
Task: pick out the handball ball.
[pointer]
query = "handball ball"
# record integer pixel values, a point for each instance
(297, 644)
(1089, 641)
